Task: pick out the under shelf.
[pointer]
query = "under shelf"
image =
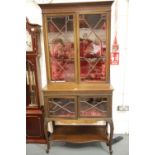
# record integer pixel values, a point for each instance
(79, 134)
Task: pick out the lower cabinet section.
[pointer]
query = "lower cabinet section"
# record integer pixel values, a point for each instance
(79, 106)
(75, 105)
(34, 127)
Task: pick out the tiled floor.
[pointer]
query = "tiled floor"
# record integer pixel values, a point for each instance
(95, 148)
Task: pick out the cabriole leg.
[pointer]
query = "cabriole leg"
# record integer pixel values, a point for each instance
(111, 135)
(46, 135)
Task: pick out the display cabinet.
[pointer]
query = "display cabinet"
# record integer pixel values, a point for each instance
(77, 47)
(34, 112)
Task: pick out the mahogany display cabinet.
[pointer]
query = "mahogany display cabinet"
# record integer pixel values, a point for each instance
(34, 111)
(77, 48)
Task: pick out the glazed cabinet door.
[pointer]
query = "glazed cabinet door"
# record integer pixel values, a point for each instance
(95, 107)
(93, 47)
(62, 107)
(60, 48)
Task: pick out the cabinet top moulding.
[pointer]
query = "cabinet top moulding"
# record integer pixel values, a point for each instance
(76, 6)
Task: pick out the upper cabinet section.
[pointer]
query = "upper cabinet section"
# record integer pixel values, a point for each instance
(77, 42)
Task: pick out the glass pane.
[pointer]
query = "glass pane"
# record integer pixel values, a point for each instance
(92, 47)
(62, 107)
(61, 48)
(94, 107)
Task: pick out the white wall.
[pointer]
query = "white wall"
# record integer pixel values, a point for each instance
(118, 72)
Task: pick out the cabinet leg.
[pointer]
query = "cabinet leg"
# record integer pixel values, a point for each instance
(110, 149)
(111, 136)
(106, 131)
(48, 147)
(46, 135)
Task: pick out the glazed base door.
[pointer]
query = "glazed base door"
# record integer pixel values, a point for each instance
(62, 107)
(94, 107)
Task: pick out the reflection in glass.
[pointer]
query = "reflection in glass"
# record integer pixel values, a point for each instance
(61, 46)
(92, 47)
(93, 107)
(62, 107)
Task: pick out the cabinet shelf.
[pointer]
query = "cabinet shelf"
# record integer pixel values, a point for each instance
(79, 134)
